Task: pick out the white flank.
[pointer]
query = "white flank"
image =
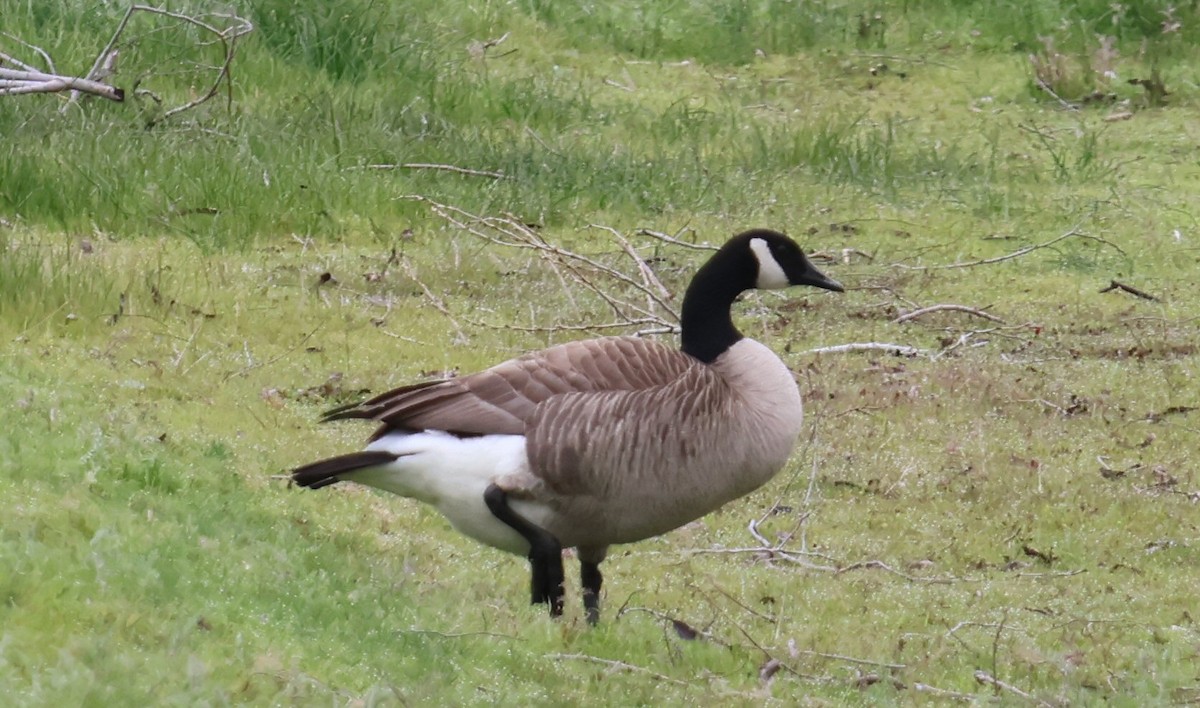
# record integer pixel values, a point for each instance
(770, 273)
(451, 474)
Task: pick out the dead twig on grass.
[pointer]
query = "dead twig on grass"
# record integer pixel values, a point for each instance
(611, 286)
(943, 693)
(619, 666)
(26, 79)
(15, 82)
(234, 28)
(907, 316)
(674, 240)
(1071, 232)
(432, 166)
(985, 678)
(897, 349)
(1118, 285)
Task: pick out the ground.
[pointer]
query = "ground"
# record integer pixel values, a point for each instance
(1001, 501)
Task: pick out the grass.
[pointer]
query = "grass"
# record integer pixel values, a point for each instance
(167, 340)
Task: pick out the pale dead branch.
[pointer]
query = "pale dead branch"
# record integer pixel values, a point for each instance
(880, 565)
(850, 659)
(897, 349)
(32, 47)
(104, 66)
(16, 82)
(433, 166)
(430, 296)
(907, 316)
(1073, 231)
(943, 693)
(608, 284)
(674, 240)
(618, 666)
(1118, 285)
(984, 677)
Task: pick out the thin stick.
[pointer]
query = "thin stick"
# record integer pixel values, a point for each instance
(13, 82)
(674, 241)
(619, 666)
(103, 55)
(1118, 285)
(227, 38)
(943, 693)
(878, 564)
(898, 349)
(852, 659)
(946, 308)
(433, 166)
(1073, 231)
(985, 678)
(1064, 103)
(40, 52)
(647, 273)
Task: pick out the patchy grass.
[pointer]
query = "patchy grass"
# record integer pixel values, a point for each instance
(178, 304)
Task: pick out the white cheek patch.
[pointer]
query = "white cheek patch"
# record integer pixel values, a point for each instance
(770, 273)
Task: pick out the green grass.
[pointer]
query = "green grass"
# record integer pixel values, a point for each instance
(166, 344)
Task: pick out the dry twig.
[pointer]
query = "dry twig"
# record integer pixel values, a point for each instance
(433, 166)
(897, 349)
(1073, 231)
(946, 308)
(985, 678)
(235, 28)
(618, 666)
(1118, 285)
(579, 273)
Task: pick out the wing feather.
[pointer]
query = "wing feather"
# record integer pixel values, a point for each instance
(502, 399)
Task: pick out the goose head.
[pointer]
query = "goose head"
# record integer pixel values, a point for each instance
(756, 259)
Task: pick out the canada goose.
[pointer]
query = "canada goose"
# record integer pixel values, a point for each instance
(596, 442)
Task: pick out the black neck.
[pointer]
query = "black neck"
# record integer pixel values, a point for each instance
(706, 327)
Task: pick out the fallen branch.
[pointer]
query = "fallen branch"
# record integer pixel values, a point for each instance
(580, 274)
(674, 240)
(985, 678)
(14, 82)
(943, 693)
(619, 666)
(897, 349)
(104, 64)
(433, 166)
(880, 565)
(33, 47)
(1118, 285)
(1073, 231)
(946, 308)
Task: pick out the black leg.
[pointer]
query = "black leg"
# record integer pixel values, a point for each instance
(589, 574)
(545, 552)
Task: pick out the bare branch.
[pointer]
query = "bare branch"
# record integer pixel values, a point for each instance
(943, 693)
(985, 678)
(433, 166)
(227, 37)
(897, 349)
(1073, 231)
(104, 53)
(14, 82)
(851, 659)
(618, 666)
(38, 50)
(946, 308)
(880, 565)
(1118, 285)
(674, 240)
(580, 274)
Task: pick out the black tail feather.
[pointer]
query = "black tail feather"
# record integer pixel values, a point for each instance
(325, 472)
